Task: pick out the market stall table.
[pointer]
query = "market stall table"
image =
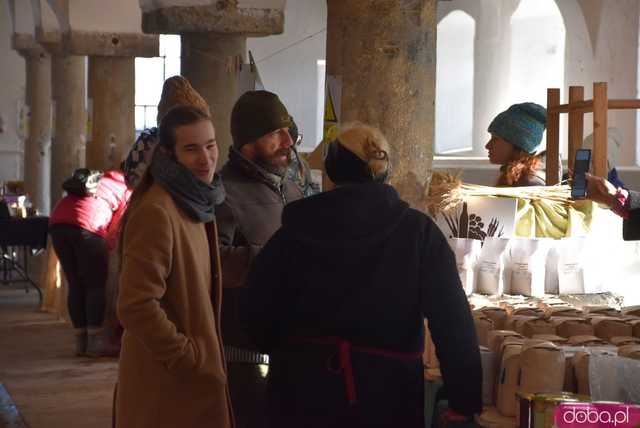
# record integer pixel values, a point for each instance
(21, 237)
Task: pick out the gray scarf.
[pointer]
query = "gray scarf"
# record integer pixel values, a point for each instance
(195, 197)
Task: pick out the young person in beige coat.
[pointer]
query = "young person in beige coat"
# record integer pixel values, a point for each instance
(172, 371)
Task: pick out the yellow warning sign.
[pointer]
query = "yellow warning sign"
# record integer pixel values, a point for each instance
(329, 110)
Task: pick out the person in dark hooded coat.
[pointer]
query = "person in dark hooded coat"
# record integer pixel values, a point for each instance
(338, 296)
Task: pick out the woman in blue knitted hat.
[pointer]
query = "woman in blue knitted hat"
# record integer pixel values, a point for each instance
(516, 134)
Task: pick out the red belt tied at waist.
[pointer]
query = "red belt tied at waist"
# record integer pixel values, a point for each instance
(344, 358)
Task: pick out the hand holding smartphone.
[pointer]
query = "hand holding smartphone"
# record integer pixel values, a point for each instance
(581, 166)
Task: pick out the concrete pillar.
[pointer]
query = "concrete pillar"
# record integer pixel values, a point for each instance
(385, 53)
(210, 62)
(68, 78)
(213, 46)
(112, 95)
(37, 152)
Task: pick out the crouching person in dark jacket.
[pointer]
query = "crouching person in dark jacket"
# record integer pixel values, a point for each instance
(337, 297)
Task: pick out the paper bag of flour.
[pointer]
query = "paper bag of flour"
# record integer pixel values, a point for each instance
(498, 316)
(571, 265)
(551, 285)
(490, 265)
(466, 251)
(567, 326)
(526, 266)
(542, 368)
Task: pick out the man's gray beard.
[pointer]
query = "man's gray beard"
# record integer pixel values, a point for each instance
(273, 169)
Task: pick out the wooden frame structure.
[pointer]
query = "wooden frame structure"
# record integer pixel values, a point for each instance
(576, 108)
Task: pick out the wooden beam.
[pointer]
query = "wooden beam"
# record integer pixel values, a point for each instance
(624, 104)
(579, 106)
(586, 106)
(576, 123)
(553, 136)
(600, 104)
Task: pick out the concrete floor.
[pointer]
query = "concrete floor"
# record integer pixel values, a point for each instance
(49, 385)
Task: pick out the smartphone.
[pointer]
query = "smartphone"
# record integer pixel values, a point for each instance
(580, 168)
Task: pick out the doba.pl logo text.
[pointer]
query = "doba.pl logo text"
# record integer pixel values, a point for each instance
(600, 415)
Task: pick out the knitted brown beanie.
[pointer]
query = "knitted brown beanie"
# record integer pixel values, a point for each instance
(177, 91)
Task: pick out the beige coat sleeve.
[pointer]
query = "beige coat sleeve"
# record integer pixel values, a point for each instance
(147, 258)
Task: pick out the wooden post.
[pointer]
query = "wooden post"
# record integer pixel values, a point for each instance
(576, 123)
(553, 137)
(600, 105)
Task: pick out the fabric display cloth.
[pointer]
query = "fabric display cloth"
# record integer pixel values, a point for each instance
(548, 219)
(29, 232)
(613, 378)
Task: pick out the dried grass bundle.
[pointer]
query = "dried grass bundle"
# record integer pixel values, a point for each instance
(447, 192)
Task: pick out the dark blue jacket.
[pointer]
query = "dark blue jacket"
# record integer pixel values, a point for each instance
(631, 226)
(358, 263)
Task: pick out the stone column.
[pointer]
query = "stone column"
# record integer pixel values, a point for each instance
(213, 46)
(385, 53)
(68, 77)
(210, 62)
(37, 151)
(112, 94)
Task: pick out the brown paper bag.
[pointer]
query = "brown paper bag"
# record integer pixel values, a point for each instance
(495, 339)
(600, 310)
(608, 327)
(563, 311)
(483, 325)
(631, 310)
(581, 370)
(556, 340)
(567, 327)
(587, 340)
(498, 315)
(508, 379)
(541, 368)
(625, 340)
(529, 328)
(513, 321)
(527, 311)
(492, 418)
(629, 351)
(635, 328)
(570, 381)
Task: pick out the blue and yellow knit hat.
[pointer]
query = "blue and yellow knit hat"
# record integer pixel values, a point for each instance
(521, 125)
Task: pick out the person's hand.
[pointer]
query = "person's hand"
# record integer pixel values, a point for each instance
(600, 190)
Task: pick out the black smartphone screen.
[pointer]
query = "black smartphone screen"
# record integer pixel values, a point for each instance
(580, 168)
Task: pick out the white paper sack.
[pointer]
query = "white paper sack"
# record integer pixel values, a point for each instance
(526, 266)
(551, 285)
(466, 251)
(490, 265)
(571, 265)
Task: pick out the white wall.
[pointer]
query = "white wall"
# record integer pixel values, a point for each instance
(43, 16)
(454, 83)
(11, 94)
(287, 63)
(616, 62)
(23, 18)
